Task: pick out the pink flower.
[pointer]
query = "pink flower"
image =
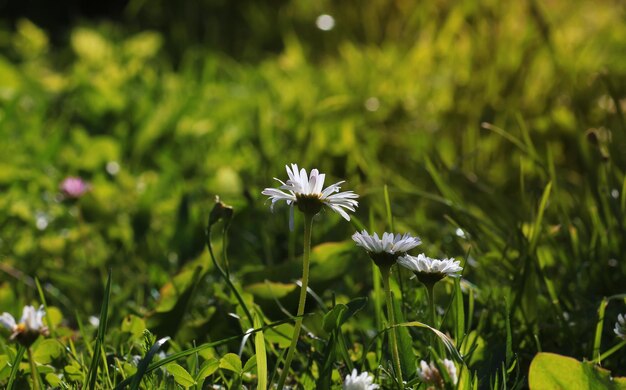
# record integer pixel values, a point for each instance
(74, 187)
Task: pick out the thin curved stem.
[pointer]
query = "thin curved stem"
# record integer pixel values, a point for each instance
(308, 225)
(227, 279)
(385, 271)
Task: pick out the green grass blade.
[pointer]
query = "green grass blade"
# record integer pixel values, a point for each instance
(459, 312)
(92, 374)
(445, 339)
(534, 236)
(16, 366)
(261, 355)
(509, 337)
(597, 341)
(42, 298)
(388, 209)
(143, 364)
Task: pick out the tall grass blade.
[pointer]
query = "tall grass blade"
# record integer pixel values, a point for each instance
(143, 364)
(261, 355)
(92, 374)
(16, 366)
(42, 299)
(534, 236)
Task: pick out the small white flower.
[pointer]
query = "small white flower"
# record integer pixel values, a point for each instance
(385, 251)
(356, 381)
(389, 243)
(620, 326)
(430, 375)
(430, 270)
(28, 328)
(306, 192)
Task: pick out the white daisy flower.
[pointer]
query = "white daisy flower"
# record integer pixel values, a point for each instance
(28, 328)
(306, 192)
(356, 381)
(430, 375)
(385, 251)
(430, 270)
(620, 326)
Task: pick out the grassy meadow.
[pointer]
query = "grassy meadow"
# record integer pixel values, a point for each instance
(494, 131)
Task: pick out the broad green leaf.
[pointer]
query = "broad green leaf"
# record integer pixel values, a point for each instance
(250, 364)
(4, 361)
(133, 325)
(54, 315)
(270, 290)
(47, 350)
(53, 380)
(207, 369)
(280, 335)
(552, 371)
(181, 376)
(331, 260)
(231, 362)
(73, 371)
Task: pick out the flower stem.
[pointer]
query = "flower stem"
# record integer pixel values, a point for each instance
(385, 271)
(226, 278)
(33, 369)
(308, 224)
(433, 317)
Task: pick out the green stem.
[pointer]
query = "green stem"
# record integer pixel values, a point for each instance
(227, 279)
(385, 271)
(434, 342)
(33, 370)
(610, 352)
(308, 224)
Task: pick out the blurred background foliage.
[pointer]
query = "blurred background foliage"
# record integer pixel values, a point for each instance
(468, 111)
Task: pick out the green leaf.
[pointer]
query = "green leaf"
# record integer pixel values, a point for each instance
(181, 376)
(231, 362)
(250, 364)
(47, 351)
(332, 318)
(354, 306)
(53, 380)
(207, 369)
(341, 313)
(405, 342)
(270, 290)
(133, 325)
(552, 371)
(445, 339)
(280, 335)
(73, 371)
(331, 260)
